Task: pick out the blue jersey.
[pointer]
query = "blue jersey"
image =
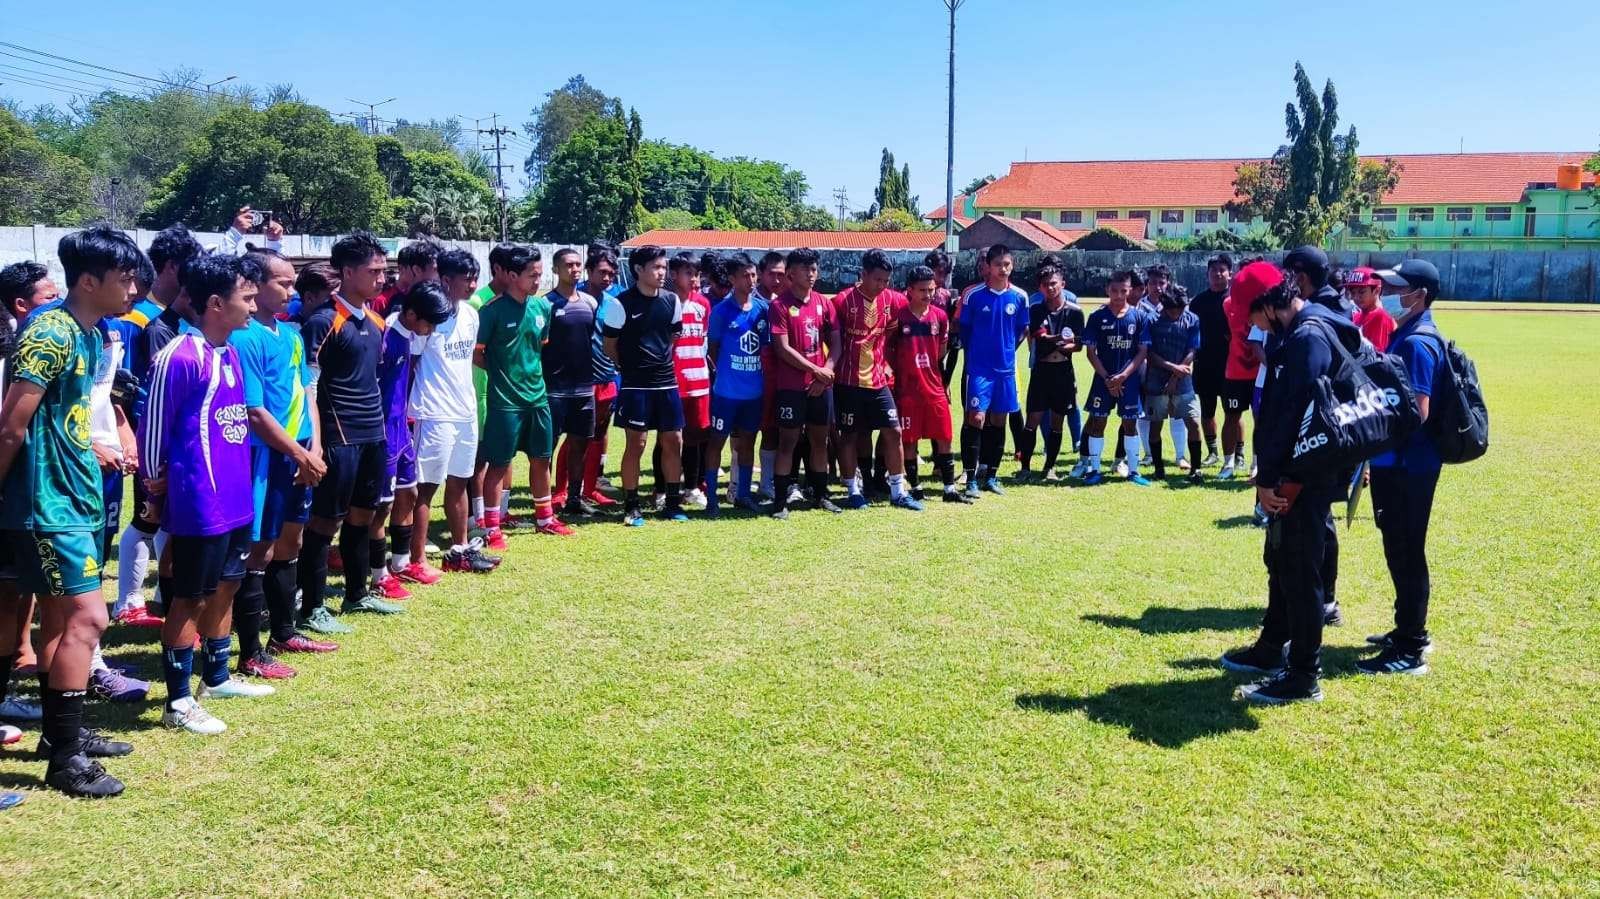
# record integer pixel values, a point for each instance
(1116, 340)
(1173, 340)
(741, 336)
(992, 324)
(1422, 354)
(273, 360)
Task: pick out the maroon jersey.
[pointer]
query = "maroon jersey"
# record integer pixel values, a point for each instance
(916, 346)
(863, 326)
(807, 325)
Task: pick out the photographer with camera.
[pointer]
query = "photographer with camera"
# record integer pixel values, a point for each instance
(250, 221)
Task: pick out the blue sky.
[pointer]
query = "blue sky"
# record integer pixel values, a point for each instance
(824, 85)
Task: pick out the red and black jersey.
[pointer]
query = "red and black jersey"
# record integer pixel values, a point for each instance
(917, 343)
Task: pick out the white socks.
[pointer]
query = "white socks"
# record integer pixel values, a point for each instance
(897, 486)
(1097, 448)
(134, 551)
(1142, 426)
(1180, 438)
(769, 469)
(1131, 444)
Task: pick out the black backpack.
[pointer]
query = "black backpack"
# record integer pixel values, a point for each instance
(1458, 418)
(1363, 407)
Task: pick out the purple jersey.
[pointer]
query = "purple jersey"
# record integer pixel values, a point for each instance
(394, 383)
(196, 435)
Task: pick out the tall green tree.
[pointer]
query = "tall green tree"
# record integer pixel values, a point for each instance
(582, 195)
(318, 177)
(554, 121)
(894, 186)
(1317, 180)
(39, 184)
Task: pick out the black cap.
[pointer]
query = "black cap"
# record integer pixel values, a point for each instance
(1308, 259)
(1412, 274)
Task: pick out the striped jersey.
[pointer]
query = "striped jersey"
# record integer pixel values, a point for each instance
(689, 350)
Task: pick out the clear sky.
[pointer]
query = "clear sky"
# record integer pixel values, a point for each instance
(824, 85)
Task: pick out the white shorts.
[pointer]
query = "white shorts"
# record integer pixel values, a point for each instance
(446, 449)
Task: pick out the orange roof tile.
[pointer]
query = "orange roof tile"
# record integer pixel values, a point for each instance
(960, 203)
(788, 240)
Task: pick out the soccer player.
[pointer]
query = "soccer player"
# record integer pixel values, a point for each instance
(738, 334)
(194, 455)
(1117, 336)
(1054, 328)
(1210, 364)
(416, 262)
(805, 332)
(1244, 361)
(500, 278)
(344, 341)
(314, 286)
(1169, 381)
(916, 348)
(867, 313)
(569, 373)
(600, 269)
(51, 506)
(1364, 288)
(694, 377)
(444, 404)
(994, 322)
(771, 282)
(285, 461)
(512, 331)
(640, 333)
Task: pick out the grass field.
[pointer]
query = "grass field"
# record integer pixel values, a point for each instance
(1013, 699)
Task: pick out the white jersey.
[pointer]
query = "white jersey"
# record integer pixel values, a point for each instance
(442, 389)
(102, 415)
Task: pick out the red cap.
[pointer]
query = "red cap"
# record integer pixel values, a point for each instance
(1361, 277)
(1254, 280)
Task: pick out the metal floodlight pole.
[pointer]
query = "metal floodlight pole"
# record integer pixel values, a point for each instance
(219, 81)
(950, 136)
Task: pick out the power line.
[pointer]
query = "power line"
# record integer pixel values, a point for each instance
(842, 197)
(499, 134)
(80, 63)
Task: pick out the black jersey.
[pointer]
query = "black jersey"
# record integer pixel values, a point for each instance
(646, 329)
(569, 352)
(344, 344)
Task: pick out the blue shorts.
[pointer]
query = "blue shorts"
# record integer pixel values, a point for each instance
(1101, 402)
(729, 415)
(201, 564)
(643, 409)
(279, 500)
(991, 392)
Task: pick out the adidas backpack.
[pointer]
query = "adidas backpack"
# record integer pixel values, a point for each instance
(1458, 419)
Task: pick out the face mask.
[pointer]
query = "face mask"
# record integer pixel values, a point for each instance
(1393, 306)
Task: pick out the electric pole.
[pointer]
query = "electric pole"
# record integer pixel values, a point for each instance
(372, 115)
(950, 136)
(842, 197)
(498, 134)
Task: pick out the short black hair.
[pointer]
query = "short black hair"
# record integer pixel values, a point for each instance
(216, 274)
(453, 263)
(427, 301)
(920, 274)
(261, 259)
(1222, 259)
(711, 262)
(315, 278)
(936, 260)
(1278, 296)
(418, 254)
(1050, 271)
(1133, 278)
(96, 250)
(1126, 275)
(145, 277)
(681, 261)
(355, 249)
(643, 256)
(801, 256)
(875, 261)
(561, 254)
(17, 281)
(769, 259)
(596, 257)
(500, 256)
(517, 259)
(602, 246)
(738, 261)
(996, 253)
(1157, 271)
(176, 245)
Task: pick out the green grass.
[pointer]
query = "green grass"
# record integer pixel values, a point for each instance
(1013, 699)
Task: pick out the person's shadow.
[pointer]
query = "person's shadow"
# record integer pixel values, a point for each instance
(1167, 620)
(1169, 714)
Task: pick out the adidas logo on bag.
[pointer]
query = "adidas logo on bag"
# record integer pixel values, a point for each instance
(1370, 400)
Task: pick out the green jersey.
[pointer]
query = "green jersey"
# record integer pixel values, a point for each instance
(480, 378)
(54, 485)
(513, 335)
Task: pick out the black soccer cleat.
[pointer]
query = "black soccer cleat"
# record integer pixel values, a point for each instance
(1394, 661)
(93, 745)
(956, 496)
(79, 777)
(1283, 689)
(1254, 660)
(1331, 616)
(1385, 641)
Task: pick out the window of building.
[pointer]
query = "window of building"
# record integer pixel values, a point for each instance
(1205, 216)
(1105, 215)
(1458, 213)
(1385, 214)
(1172, 216)
(1497, 214)
(1420, 214)
(1237, 217)
(1032, 215)
(1140, 214)
(1071, 217)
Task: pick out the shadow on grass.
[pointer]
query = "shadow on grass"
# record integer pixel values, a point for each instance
(1337, 661)
(1236, 521)
(1169, 714)
(1166, 620)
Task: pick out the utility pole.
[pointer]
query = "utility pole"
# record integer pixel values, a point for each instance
(372, 114)
(842, 197)
(950, 136)
(499, 167)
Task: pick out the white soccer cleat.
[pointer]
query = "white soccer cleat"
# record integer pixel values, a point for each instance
(189, 716)
(235, 687)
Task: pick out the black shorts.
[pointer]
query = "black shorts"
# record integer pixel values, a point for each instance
(648, 409)
(1208, 386)
(799, 407)
(865, 409)
(357, 474)
(1053, 388)
(1236, 395)
(199, 564)
(573, 415)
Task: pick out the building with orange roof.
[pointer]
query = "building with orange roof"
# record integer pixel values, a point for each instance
(789, 240)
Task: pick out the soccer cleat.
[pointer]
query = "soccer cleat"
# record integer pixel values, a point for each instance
(633, 518)
(1382, 641)
(1197, 477)
(695, 499)
(1394, 661)
(1138, 480)
(856, 501)
(1122, 468)
(82, 778)
(9, 735)
(781, 515)
(301, 643)
(1145, 460)
(321, 621)
(390, 587)
(953, 495)
(514, 523)
(1183, 464)
(558, 498)
(1160, 474)
(10, 800)
(114, 685)
(658, 502)
(824, 504)
(578, 507)
(371, 604)
(1282, 689)
(265, 666)
(188, 715)
(1253, 660)
(600, 499)
(747, 503)
(235, 687)
(91, 744)
(556, 528)
(419, 573)
(992, 485)
(603, 483)
(1081, 469)
(335, 560)
(1093, 478)
(14, 709)
(1331, 616)
(472, 561)
(907, 502)
(1226, 474)
(138, 616)
(674, 514)
(796, 495)
(1052, 476)
(1210, 459)
(971, 491)
(495, 539)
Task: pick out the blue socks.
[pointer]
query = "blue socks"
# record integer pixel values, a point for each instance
(746, 474)
(214, 670)
(177, 663)
(711, 488)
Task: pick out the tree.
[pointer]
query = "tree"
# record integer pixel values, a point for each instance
(894, 186)
(563, 112)
(629, 209)
(432, 136)
(461, 206)
(977, 184)
(896, 220)
(1316, 181)
(38, 184)
(581, 196)
(316, 176)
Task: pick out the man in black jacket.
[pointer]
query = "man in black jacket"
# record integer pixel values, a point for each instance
(1299, 506)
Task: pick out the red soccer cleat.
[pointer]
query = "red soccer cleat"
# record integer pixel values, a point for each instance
(512, 523)
(496, 540)
(265, 666)
(138, 616)
(301, 643)
(601, 500)
(392, 589)
(420, 573)
(555, 528)
(558, 499)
